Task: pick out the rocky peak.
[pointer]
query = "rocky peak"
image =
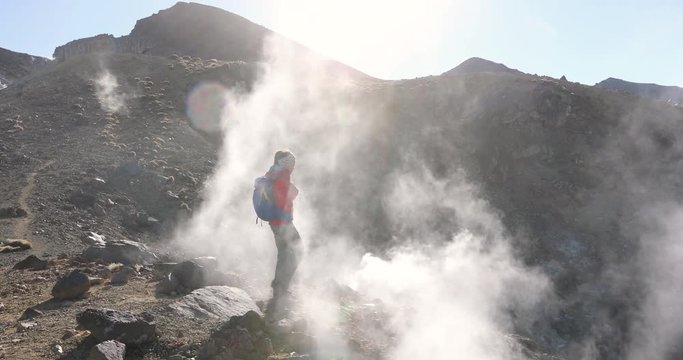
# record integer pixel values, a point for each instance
(14, 65)
(219, 34)
(479, 65)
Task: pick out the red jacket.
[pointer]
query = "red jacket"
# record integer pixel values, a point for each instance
(284, 192)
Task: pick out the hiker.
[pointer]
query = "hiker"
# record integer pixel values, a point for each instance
(287, 239)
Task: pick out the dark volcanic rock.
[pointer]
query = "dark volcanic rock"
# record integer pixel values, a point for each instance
(215, 302)
(126, 327)
(12, 212)
(122, 251)
(31, 262)
(190, 275)
(243, 337)
(71, 286)
(108, 350)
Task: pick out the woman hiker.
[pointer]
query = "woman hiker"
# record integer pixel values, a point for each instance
(287, 239)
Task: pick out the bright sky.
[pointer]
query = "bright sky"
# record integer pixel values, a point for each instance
(586, 40)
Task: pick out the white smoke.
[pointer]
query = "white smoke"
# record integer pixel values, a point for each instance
(108, 94)
(445, 300)
(659, 328)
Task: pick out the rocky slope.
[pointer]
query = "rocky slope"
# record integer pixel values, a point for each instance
(15, 65)
(568, 168)
(672, 94)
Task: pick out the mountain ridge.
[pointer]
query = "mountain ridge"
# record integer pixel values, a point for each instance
(15, 65)
(650, 90)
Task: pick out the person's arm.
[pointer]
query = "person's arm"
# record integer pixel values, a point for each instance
(292, 192)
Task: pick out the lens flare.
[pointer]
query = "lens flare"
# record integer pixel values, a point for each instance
(205, 105)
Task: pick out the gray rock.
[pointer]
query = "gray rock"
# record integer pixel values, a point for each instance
(215, 302)
(108, 350)
(123, 251)
(190, 275)
(31, 262)
(126, 327)
(71, 286)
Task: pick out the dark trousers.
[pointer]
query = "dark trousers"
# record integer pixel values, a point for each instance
(289, 251)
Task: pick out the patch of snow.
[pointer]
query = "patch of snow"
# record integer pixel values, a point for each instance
(2, 86)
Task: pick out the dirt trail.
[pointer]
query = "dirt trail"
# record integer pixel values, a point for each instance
(22, 228)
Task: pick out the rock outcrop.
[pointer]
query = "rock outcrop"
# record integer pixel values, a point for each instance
(215, 302)
(123, 326)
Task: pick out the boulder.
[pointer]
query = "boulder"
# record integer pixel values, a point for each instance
(190, 275)
(31, 262)
(71, 286)
(126, 327)
(120, 251)
(242, 337)
(108, 350)
(215, 302)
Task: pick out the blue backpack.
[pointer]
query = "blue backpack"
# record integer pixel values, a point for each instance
(264, 203)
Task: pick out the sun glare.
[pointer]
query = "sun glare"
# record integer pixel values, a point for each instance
(372, 36)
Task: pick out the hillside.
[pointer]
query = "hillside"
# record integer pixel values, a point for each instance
(105, 140)
(672, 94)
(15, 65)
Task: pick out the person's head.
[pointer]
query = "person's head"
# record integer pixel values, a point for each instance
(284, 158)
